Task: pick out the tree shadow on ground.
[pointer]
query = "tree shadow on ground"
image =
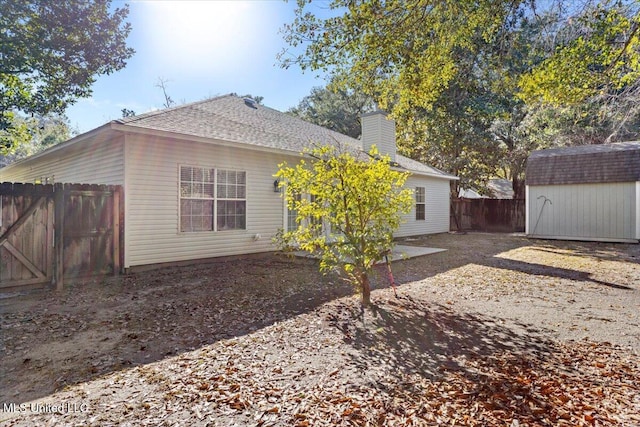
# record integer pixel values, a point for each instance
(467, 367)
(51, 340)
(599, 251)
(483, 248)
(536, 269)
(409, 336)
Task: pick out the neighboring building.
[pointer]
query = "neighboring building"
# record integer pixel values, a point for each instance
(497, 189)
(589, 192)
(198, 179)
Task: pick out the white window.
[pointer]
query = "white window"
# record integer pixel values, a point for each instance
(420, 204)
(212, 199)
(292, 216)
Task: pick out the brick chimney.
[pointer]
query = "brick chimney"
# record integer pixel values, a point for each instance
(380, 131)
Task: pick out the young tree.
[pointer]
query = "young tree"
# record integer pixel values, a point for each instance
(52, 52)
(348, 205)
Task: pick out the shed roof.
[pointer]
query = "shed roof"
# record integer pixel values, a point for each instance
(618, 162)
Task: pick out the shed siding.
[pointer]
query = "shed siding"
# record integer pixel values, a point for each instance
(93, 162)
(437, 208)
(583, 211)
(152, 228)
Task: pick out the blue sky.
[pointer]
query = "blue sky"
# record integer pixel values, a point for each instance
(201, 49)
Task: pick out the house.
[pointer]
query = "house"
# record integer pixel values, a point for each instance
(589, 192)
(198, 179)
(497, 189)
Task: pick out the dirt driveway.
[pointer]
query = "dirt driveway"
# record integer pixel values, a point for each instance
(498, 329)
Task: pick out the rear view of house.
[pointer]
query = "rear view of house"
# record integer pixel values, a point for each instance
(588, 192)
(198, 179)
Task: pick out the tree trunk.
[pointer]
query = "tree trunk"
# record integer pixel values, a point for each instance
(518, 188)
(366, 289)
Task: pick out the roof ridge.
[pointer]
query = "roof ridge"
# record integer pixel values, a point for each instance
(587, 149)
(127, 120)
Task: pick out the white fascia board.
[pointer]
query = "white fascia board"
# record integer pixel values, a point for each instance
(526, 210)
(638, 210)
(427, 174)
(73, 141)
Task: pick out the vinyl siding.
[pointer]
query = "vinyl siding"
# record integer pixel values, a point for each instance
(90, 162)
(583, 211)
(152, 232)
(437, 208)
(152, 201)
(379, 131)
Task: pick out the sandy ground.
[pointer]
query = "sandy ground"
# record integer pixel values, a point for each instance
(266, 340)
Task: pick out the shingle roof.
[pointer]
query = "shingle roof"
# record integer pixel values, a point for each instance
(619, 162)
(230, 118)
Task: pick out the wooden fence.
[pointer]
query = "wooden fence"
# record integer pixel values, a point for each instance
(507, 215)
(53, 232)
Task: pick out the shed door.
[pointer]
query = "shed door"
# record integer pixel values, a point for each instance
(582, 211)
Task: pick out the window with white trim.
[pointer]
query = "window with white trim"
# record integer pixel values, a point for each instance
(292, 216)
(420, 204)
(212, 199)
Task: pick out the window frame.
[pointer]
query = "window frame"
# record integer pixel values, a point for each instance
(291, 216)
(421, 202)
(215, 199)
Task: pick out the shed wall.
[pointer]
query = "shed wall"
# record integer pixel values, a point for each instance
(583, 211)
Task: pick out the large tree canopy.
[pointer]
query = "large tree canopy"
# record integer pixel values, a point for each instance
(404, 52)
(474, 86)
(52, 52)
(42, 133)
(336, 109)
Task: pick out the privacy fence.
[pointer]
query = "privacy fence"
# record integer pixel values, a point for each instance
(56, 232)
(506, 215)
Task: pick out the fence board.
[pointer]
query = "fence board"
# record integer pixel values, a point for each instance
(49, 233)
(488, 214)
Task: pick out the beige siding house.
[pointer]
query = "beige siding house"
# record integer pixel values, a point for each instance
(198, 179)
(587, 192)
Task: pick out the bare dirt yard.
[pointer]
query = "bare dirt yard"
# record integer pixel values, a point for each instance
(497, 330)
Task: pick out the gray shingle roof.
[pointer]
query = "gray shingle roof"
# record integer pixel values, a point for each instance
(230, 118)
(619, 162)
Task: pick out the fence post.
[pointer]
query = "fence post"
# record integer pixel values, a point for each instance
(116, 230)
(58, 261)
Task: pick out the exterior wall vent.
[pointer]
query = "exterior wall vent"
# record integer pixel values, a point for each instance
(250, 103)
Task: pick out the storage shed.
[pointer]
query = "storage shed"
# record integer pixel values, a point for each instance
(589, 192)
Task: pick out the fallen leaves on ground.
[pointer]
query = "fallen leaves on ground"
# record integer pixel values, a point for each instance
(271, 343)
(300, 372)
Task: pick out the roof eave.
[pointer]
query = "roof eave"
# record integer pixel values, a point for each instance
(427, 174)
(107, 127)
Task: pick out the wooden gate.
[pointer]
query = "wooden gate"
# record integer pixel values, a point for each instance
(26, 250)
(50, 233)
